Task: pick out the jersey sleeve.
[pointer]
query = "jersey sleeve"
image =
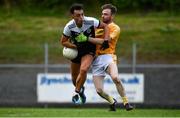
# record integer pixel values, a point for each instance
(115, 33)
(96, 22)
(66, 31)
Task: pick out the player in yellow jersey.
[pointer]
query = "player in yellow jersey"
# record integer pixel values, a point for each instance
(106, 60)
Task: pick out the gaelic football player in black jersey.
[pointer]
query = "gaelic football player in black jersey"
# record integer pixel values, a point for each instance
(77, 34)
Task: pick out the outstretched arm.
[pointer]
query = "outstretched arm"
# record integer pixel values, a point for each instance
(96, 40)
(106, 30)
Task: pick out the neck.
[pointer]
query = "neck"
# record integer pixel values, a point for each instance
(109, 22)
(79, 25)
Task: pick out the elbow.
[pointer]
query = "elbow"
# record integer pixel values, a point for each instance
(62, 42)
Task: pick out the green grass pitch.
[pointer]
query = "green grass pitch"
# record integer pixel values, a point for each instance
(86, 112)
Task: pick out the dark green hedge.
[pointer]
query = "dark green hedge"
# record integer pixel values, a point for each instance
(123, 5)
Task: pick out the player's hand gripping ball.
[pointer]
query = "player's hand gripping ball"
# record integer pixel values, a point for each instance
(70, 53)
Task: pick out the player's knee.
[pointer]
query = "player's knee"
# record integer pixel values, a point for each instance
(83, 71)
(114, 76)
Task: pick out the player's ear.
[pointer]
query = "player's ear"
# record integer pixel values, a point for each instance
(112, 16)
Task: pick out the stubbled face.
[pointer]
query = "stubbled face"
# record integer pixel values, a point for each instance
(107, 16)
(78, 16)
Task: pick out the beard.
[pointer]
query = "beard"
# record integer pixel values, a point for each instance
(106, 21)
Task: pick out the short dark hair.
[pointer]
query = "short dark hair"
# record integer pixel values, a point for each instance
(76, 6)
(111, 7)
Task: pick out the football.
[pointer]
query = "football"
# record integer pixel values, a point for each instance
(70, 53)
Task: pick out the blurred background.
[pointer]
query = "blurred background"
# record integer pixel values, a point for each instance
(149, 44)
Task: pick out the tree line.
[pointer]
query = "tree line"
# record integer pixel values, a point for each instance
(122, 5)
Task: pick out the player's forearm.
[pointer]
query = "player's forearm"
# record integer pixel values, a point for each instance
(106, 30)
(106, 33)
(96, 40)
(65, 42)
(69, 45)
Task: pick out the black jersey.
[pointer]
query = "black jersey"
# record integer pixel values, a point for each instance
(88, 29)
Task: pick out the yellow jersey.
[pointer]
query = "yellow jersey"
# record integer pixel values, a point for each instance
(114, 31)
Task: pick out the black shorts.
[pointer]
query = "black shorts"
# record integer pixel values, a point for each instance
(85, 49)
(78, 58)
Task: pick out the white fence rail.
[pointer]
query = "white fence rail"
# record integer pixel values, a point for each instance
(46, 64)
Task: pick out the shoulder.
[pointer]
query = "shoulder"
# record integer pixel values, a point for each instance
(70, 24)
(90, 20)
(114, 26)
